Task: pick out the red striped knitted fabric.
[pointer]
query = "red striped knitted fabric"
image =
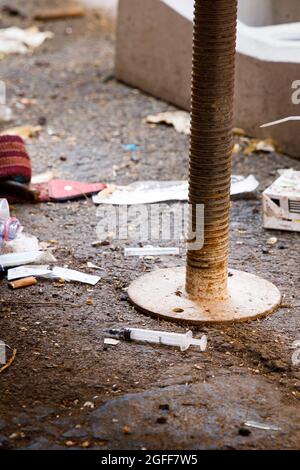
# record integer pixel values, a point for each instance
(14, 160)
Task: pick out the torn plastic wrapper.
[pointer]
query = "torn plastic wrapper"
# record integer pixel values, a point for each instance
(54, 273)
(20, 41)
(17, 259)
(148, 192)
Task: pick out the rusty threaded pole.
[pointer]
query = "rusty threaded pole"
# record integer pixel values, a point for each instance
(211, 142)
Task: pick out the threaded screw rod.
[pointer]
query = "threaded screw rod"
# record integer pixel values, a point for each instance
(211, 143)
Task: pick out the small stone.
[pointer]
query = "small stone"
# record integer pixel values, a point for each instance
(85, 445)
(89, 404)
(161, 420)
(244, 432)
(164, 407)
(126, 430)
(124, 297)
(42, 121)
(178, 310)
(70, 443)
(272, 241)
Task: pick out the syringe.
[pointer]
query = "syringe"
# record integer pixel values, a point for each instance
(184, 341)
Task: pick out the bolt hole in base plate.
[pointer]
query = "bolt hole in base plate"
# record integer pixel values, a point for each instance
(162, 294)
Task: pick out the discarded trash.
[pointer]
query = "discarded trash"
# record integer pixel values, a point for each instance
(72, 275)
(18, 259)
(267, 146)
(147, 192)
(25, 132)
(59, 13)
(282, 121)
(184, 341)
(55, 273)
(151, 251)
(265, 427)
(281, 202)
(180, 120)
(5, 113)
(9, 363)
(242, 185)
(42, 177)
(65, 190)
(21, 41)
(26, 282)
(111, 341)
(27, 271)
(272, 241)
(131, 147)
(238, 131)
(23, 242)
(9, 226)
(93, 266)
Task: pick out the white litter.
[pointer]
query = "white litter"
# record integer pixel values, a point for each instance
(72, 275)
(184, 341)
(27, 271)
(148, 192)
(111, 341)
(31, 257)
(264, 427)
(6, 113)
(281, 121)
(179, 119)
(151, 251)
(21, 41)
(55, 273)
(93, 266)
(23, 243)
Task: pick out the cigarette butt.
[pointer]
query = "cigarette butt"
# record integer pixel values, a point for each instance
(59, 13)
(28, 281)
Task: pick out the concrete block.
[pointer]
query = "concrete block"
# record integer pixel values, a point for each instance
(154, 53)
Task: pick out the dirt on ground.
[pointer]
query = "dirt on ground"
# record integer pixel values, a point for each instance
(65, 389)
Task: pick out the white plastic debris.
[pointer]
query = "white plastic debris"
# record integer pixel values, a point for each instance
(20, 41)
(241, 185)
(55, 273)
(184, 341)
(263, 426)
(93, 266)
(17, 259)
(72, 275)
(6, 113)
(281, 121)
(151, 251)
(111, 341)
(179, 119)
(148, 192)
(27, 271)
(23, 242)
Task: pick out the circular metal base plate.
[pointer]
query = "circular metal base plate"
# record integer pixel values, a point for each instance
(162, 294)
